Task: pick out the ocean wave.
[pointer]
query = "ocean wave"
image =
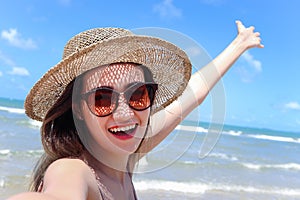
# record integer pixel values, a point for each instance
(144, 161)
(201, 188)
(27, 153)
(275, 138)
(2, 183)
(233, 133)
(192, 128)
(13, 110)
(287, 166)
(184, 187)
(240, 133)
(204, 130)
(21, 122)
(4, 152)
(35, 124)
(223, 156)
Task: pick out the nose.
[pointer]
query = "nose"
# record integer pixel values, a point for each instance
(123, 111)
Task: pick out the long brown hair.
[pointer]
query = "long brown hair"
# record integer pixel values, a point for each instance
(59, 135)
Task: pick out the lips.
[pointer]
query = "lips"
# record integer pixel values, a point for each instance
(124, 132)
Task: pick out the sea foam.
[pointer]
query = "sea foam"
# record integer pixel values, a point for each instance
(275, 138)
(13, 110)
(4, 151)
(287, 166)
(192, 128)
(201, 188)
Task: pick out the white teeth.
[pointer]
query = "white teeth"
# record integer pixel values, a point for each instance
(125, 128)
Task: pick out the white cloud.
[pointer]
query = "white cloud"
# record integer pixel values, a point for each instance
(256, 64)
(15, 39)
(248, 67)
(292, 105)
(20, 71)
(166, 9)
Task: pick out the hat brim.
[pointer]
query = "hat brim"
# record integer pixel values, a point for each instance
(170, 66)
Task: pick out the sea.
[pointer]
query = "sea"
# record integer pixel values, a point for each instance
(243, 163)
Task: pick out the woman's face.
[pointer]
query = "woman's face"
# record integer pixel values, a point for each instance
(121, 131)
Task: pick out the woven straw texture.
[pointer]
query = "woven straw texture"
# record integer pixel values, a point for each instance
(170, 66)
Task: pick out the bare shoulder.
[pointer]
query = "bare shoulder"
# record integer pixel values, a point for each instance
(70, 179)
(68, 166)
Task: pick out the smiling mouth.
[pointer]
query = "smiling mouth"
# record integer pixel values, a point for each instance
(123, 133)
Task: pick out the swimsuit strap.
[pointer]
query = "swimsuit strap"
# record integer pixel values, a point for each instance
(104, 193)
(134, 193)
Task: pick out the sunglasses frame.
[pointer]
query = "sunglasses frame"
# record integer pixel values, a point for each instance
(149, 87)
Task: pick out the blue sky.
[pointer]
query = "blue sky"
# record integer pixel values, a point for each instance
(261, 88)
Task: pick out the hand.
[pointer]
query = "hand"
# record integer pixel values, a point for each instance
(248, 37)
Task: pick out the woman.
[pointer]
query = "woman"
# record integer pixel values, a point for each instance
(96, 104)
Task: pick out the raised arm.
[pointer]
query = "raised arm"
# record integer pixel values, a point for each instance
(200, 84)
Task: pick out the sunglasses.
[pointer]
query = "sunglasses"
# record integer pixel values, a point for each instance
(103, 101)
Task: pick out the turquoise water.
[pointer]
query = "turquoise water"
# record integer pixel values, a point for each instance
(245, 163)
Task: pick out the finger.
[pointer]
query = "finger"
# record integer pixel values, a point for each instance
(258, 40)
(240, 25)
(261, 46)
(257, 34)
(251, 28)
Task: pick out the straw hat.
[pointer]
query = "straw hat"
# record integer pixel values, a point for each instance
(170, 66)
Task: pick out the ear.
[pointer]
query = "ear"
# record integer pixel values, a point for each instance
(77, 111)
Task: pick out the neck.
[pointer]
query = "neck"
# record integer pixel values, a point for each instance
(112, 166)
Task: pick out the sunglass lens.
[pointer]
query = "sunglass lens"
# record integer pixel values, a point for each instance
(139, 99)
(102, 102)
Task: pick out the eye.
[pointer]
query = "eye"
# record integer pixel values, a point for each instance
(139, 93)
(100, 98)
(139, 99)
(103, 97)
